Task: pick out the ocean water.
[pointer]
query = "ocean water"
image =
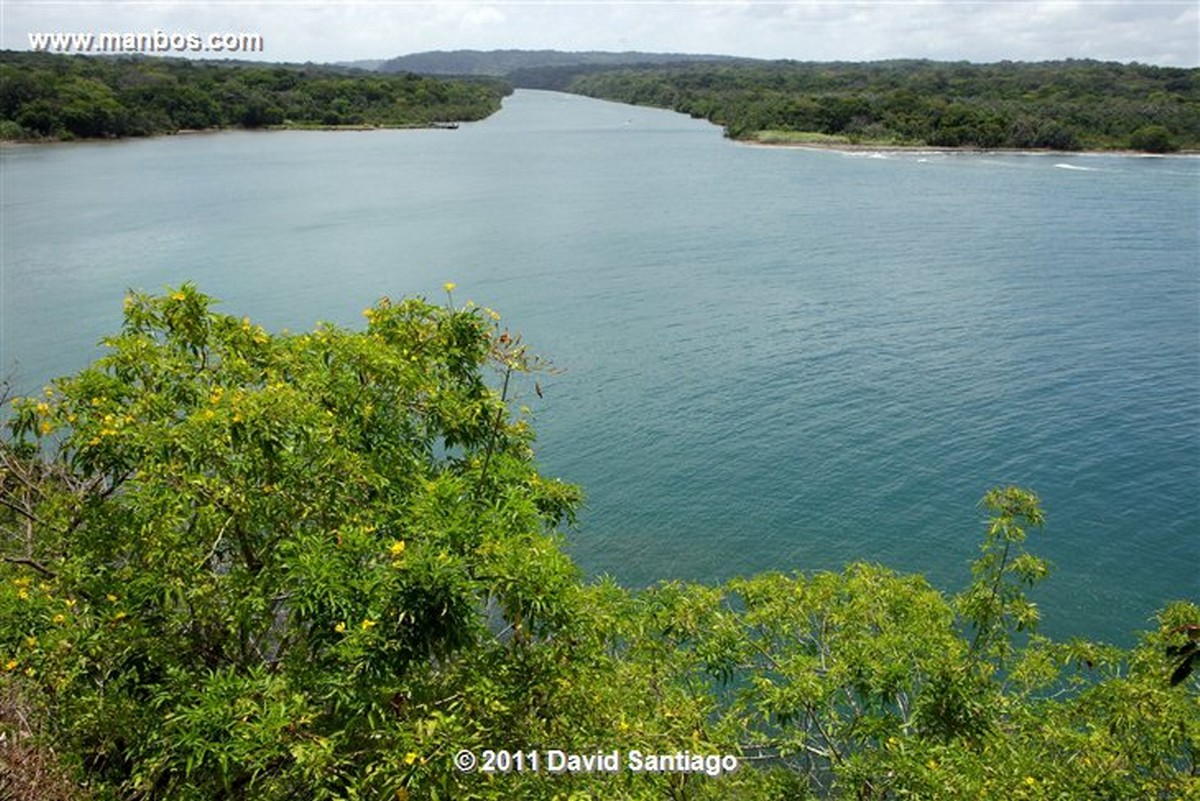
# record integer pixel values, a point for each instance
(770, 358)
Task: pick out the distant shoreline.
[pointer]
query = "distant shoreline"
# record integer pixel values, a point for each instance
(862, 147)
(815, 145)
(437, 126)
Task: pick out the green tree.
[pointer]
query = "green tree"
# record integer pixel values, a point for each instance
(238, 565)
(49, 95)
(253, 561)
(1153, 139)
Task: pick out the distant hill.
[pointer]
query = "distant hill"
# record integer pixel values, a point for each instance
(505, 62)
(371, 64)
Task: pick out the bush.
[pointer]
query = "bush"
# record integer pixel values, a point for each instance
(11, 131)
(1153, 139)
(236, 565)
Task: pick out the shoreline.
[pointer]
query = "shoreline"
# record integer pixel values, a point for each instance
(819, 146)
(931, 150)
(436, 126)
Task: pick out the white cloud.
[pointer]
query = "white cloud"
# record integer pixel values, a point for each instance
(1155, 31)
(482, 17)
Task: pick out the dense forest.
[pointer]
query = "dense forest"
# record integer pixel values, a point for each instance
(53, 96)
(1063, 105)
(249, 566)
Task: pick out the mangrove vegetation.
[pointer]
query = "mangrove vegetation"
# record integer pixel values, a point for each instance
(49, 96)
(1062, 105)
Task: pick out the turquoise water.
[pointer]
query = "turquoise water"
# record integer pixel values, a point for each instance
(773, 358)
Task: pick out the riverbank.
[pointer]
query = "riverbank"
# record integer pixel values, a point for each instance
(822, 142)
(133, 98)
(435, 126)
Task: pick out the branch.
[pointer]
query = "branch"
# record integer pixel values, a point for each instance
(834, 755)
(28, 515)
(220, 535)
(36, 565)
(495, 427)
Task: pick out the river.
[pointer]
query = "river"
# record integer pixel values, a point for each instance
(770, 358)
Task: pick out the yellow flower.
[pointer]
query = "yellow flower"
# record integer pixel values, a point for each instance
(46, 427)
(22, 593)
(112, 599)
(449, 286)
(410, 758)
(367, 623)
(340, 627)
(43, 408)
(397, 548)
(10, 664)
(60, 619)
(177, 296)
(1030, 781)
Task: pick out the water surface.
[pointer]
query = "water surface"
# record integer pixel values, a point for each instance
(774, 358)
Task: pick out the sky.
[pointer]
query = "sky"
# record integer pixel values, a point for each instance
(1147, 31)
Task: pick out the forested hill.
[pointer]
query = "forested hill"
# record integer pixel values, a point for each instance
(505, 62)
(44, 95)
(1064, 105)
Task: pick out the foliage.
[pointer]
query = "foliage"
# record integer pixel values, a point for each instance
(1062, 105)
(59, 96)
(1153, 139)
(244, 565)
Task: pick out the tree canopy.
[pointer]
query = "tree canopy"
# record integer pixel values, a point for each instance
(244, 565)
(58, 96)
(1062, 105)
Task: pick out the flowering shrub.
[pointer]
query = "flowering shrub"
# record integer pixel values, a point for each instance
(243, 565)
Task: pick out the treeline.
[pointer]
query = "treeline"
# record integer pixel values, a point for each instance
(52, 96)
(1062, 105)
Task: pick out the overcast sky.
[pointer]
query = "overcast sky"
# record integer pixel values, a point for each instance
(1152, 32)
